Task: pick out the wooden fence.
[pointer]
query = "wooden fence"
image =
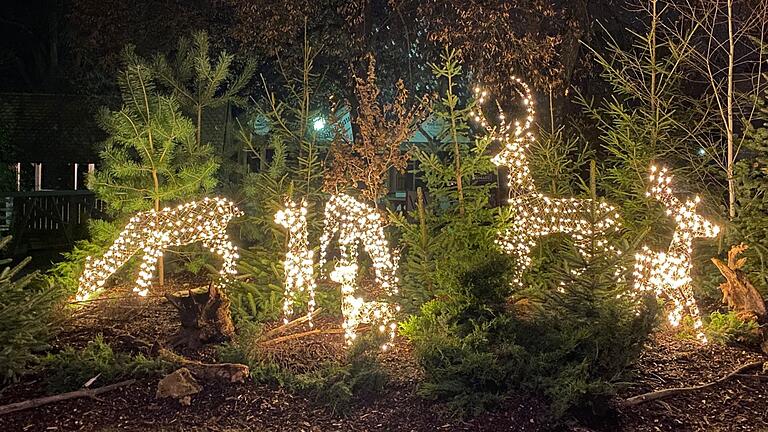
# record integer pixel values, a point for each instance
(47, 219)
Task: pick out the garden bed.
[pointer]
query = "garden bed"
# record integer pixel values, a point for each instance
(133, 325)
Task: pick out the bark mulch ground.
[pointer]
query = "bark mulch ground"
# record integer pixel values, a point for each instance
(134, 325)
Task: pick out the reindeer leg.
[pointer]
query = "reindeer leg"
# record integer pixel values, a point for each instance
(147, 270)
(221, 246)
(693, 311)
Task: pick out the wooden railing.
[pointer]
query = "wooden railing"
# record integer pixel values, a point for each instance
(47, 219)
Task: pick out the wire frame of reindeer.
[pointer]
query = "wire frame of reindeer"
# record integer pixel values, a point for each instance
(668, 273)
(537, 214)
(152, 232)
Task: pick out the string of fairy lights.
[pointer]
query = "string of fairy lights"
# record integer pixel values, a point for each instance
(152, 232)
(669, 273)
(536, 214)
(299, 259)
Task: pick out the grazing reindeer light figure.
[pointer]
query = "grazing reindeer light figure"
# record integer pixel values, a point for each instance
(669, 273)
(154, 231)
(355, 223)
(537, 214)
(299, 260)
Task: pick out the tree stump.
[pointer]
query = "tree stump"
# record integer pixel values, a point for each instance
(205, 316)
(739, 293)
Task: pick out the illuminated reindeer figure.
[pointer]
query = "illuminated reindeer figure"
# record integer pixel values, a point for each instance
(669, 273)
(152, 232)
(536, 214)
(355, 223)
(299, 260)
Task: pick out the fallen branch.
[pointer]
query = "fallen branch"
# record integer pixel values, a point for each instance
(301, 335)
(90, 393)
(298, 321)
(667, 393)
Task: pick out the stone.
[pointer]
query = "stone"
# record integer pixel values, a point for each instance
(179, 385)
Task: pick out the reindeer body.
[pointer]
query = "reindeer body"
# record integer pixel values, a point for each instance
(152, 232)
(536, 214)
(669, 273)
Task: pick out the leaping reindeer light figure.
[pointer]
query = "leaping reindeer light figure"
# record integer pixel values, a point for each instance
(154, 231)
(669, 273)
(537, 214)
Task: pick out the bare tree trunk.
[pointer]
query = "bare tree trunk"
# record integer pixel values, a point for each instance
(160, 260)
(456, 149)
(653, 95)
(729, 120)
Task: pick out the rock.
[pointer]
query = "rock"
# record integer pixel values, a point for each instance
(179, 385)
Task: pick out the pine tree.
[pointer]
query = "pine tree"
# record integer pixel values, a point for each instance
(451, 172)
(457, 223)
(26, 312)
(151, 156)
(294, 169)
(198, 82)
(641, 123)
(751, 221)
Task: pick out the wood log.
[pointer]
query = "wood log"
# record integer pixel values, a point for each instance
(33, 403)
(229, 372)
(738, 293)
(204, 314)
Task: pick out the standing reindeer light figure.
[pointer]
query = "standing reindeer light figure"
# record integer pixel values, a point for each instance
(536, 214)
(669, 273)
(154, 231)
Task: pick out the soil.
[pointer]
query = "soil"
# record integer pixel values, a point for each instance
(134, 325)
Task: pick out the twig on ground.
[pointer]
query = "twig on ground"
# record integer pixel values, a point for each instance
(300, 335)
(90, 393)
(667, 393)
(285, 327)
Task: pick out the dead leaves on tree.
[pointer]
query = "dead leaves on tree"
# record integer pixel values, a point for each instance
(363, 162)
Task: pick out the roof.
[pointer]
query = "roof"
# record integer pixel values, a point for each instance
(51, 127)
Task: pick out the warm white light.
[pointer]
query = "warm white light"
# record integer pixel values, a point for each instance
(536, 214)
(299, 260)
(357, 224)
(669, 273)
(154, 231)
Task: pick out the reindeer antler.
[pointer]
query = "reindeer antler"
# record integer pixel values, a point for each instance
(504, 129)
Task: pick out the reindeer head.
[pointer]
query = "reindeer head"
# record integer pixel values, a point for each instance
(689, 223)
(514, 137)
(293, 216)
